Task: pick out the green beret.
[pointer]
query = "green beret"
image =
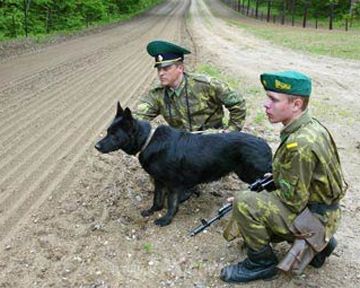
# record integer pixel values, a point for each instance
(288, 82)
(165, 53)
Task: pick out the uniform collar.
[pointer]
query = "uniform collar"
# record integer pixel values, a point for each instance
(303, 119)
(178, 90)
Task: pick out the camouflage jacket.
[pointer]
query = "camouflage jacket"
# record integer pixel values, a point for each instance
(307, 169)
(196, 104)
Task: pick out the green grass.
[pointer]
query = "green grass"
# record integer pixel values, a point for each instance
(148, 247)
(339, 44)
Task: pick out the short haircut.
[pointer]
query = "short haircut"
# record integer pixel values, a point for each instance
(305, 100)
(177, 63)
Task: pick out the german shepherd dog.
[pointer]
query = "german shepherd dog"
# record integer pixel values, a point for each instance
(179, 160)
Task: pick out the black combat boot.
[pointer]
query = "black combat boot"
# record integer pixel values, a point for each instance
(259, 265)
(320, 257)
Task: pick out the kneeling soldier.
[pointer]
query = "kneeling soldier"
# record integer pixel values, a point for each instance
(304, 208)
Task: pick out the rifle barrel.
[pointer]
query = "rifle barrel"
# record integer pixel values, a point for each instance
(206, 223)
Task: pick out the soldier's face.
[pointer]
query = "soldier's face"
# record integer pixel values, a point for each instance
(279, 108)
(170, 76)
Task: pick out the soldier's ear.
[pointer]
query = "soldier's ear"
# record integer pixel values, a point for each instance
(119, 110)
(298, 103)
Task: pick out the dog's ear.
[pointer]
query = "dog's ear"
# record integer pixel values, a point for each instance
(119, 110)
(127, 114)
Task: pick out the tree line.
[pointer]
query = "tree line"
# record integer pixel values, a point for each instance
(342, 10)
(20, 18)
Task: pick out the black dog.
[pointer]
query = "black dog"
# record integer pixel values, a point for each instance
(180, 160)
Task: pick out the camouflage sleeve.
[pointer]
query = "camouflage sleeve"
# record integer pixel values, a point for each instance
(233, 101)
(148, 106)
(294, 176)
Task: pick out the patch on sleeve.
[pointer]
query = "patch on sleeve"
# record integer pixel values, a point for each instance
(286, 188)
(143, 107)
(292, 145)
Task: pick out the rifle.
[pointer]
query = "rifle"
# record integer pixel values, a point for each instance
(265, 182)
(206, 223)
(260, 184)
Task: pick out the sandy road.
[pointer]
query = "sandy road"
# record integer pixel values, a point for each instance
(54, 102)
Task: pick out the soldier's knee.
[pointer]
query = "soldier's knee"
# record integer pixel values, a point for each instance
(245, 196)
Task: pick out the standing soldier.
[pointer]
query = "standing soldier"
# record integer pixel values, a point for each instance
(187, 101)
(304, 207)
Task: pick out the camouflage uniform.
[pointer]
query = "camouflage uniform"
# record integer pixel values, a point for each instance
(206, 96)
(306, 169)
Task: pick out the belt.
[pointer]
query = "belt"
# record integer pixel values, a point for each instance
(320, 208)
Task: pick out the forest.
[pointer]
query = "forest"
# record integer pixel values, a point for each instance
(21, 18)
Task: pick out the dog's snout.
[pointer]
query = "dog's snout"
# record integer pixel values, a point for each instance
(98, 146)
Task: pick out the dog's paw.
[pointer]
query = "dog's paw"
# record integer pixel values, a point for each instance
(162, 221)
(147, 212)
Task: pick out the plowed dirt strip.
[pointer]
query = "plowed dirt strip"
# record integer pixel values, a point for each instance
(55, 102)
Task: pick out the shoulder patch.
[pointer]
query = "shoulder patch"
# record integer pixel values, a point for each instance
(201, 78)
(292, 145)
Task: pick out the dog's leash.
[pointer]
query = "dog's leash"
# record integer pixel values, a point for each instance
(148, 139)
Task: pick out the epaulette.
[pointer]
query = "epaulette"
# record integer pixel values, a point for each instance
(201, 78)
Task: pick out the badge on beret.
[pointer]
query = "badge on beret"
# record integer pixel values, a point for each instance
(282, 85)
(288, 82)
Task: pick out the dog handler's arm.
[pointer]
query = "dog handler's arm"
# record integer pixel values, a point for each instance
(148, 107)
(234, 102)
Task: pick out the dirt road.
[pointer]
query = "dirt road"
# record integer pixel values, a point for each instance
(69, 217)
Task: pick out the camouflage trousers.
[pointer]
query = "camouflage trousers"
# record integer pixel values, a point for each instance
(260, 218)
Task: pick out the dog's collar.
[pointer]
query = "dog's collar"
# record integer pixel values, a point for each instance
(148, 139)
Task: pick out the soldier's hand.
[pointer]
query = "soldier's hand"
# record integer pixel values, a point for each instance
(230, 199)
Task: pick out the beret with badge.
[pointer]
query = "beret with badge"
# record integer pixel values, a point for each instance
(287, 82)
(166, 53)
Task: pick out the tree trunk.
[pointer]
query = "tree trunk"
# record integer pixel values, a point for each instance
(305, 15)
(293, 5)
(26, 14)
(331, 16)
(283, 13)
(268, 11)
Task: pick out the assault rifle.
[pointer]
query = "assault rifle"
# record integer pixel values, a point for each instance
(260, 184)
